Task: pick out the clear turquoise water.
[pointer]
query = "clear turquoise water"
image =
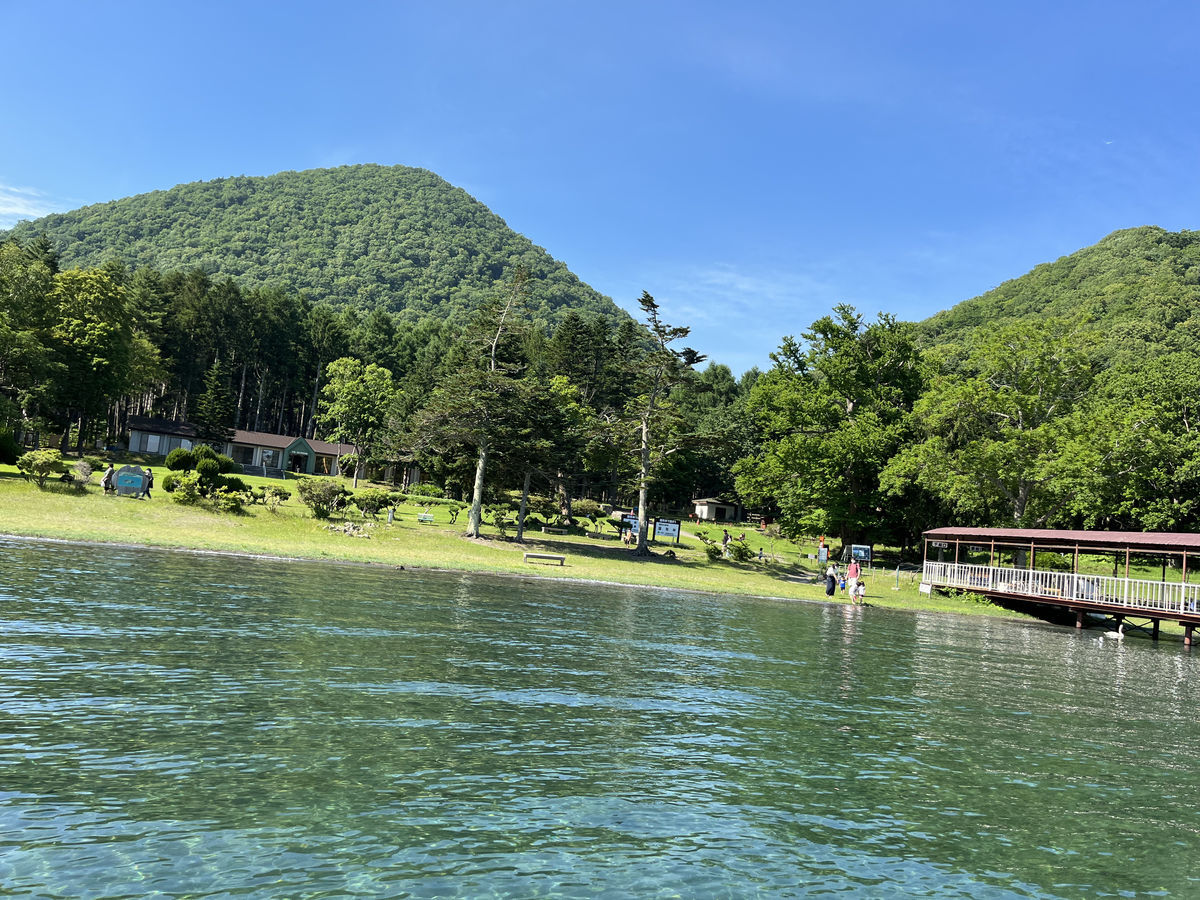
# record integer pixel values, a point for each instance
(184, 726)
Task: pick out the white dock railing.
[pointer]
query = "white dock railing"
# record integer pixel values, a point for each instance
(1130, 593)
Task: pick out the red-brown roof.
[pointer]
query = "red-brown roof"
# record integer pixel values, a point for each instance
(1092, 540)
(331, 449)
(283, 441)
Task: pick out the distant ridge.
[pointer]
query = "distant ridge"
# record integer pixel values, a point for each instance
(1138, 287)
(392, 237)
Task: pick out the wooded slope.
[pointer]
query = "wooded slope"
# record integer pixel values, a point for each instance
(388, 237)
(1139, 288)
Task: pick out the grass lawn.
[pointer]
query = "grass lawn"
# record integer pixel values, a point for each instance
(61, 512)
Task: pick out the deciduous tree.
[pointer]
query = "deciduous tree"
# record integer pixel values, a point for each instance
(1005, 433)
(93, 340)
(358, 405)
(832, 411)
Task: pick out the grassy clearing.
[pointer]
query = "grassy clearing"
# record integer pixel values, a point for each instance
(61, 512)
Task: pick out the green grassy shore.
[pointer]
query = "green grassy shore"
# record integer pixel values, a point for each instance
(61, 512)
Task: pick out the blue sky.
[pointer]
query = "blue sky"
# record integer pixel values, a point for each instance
(749, 164)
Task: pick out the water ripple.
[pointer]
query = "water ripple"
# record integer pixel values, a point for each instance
(183, 726)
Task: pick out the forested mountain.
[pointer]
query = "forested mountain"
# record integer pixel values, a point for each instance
(375, 237)
(1137, 292)
(1063, 398)
(1066, 397)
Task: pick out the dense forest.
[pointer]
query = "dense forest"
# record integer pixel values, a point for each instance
(1064, 398)
(1137, 291)
(374, 237)
(83, 349)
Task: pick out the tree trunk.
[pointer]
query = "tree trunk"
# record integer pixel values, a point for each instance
(241, 397)
(524, 506)
(564, 495)
(282, 408)
(473, 520)
(262, 383)
(312, 419)
(643, 490)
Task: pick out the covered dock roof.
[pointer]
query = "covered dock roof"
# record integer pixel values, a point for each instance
(1049, 538)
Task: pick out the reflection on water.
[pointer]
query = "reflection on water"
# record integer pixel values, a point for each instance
(182, 725)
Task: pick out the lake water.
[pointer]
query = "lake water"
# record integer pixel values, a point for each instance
(175, 725)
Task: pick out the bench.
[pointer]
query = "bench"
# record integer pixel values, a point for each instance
(562, 560)
(546, 529)
(425, 518)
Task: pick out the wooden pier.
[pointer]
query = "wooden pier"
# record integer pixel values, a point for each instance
(1117, 596)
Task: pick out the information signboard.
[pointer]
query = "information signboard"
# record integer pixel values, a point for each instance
(631, 522)
(822, 554)
(861, 552)
(666, 528)
(131, 481)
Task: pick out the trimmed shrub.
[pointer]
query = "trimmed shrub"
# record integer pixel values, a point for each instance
(209, 471)
(180, 460)
(322, 495)
(169, 481)
(225, 464)
(740, 551)
(39, 465)
(586, 509)
(540, 504)
(372, 500)
(226, 501)
(418, 500)
(712, 549)
(233, 483)
(9, 450)
(187, 489)
(498, 515)
(426, 490)
(273, 496)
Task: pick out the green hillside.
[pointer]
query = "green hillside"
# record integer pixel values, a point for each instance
(372, 236)
(1139, 288)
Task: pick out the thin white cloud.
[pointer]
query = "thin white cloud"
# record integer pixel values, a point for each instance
(738, 318)
(17, 203)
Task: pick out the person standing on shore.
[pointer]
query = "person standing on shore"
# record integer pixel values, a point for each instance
(149, 483)
(106, 480)
(831, 575)
(852, 573)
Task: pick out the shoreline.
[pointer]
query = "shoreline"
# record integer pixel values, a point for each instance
(994, 613)
(291, 533)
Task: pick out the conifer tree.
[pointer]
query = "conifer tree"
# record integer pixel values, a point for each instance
(659, 428)
(215, 407)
